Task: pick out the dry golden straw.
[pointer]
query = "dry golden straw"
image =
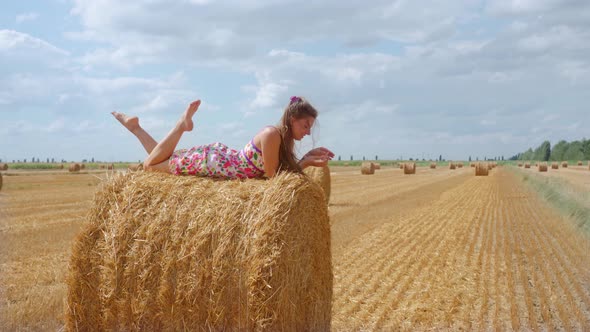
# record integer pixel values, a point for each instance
(409, 168)
(3, 167)
(543, 167)
(175, 253)
(452, 165)
(481, 169)
(555, 165)
(74, 167)
(135, 167)
(367, 168)
(564, 164)
(321, 176)
(432, 165)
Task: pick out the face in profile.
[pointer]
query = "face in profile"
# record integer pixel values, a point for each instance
(301, 127)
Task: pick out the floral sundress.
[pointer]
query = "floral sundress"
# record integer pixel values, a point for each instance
(218, 161)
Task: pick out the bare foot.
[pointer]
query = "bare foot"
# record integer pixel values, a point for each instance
(129, 122)
(186, 120)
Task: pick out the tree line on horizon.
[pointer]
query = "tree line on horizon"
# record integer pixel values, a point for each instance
(563, 150)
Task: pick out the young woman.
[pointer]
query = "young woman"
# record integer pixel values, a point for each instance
(268, 152)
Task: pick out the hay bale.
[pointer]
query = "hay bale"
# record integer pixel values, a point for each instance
(527, 165)
(61, 166)
(482, 169)
(74, 167)
(111, 166)
(460, 165)
(0, 181)
(135, 167)
(452, 166)
(564, 164)
(377, 165)
(409, 168)
(3, 167)
(367, 168)
(471, 164)
(554, 165)
(321, 176)
(174, 253)
(433, 165)
(580, 163)
(102, 166)
(543, 167)
(82, 166)
(519, 164)
(401, 165)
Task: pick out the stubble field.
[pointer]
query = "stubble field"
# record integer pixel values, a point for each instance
(441, 249)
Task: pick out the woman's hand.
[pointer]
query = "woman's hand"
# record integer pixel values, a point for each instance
(317, 157)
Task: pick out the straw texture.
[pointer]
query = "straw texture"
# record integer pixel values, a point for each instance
(542, 167)
(74, 167)
(321, 176)
(172, 253)
(409, 168)
(367, 168)
(481, 169)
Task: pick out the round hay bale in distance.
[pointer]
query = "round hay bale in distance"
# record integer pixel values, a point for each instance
(192, 253)
(580, 163)
(74, 167)
(409, 168)
(3, 167)
(321, 176)
(82, 166)
(481, 169)
(433, 165)
(554, 165)
(527, 165)
(564, 164)
(543, 167)
(377, 165)
(452, 165)
(367, 168)
(111, 166)
(460, 165)
(0, 181)
(519, 164)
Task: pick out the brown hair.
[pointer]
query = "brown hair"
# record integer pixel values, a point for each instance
(298, 108)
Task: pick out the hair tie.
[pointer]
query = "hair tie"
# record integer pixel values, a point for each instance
(294, 99)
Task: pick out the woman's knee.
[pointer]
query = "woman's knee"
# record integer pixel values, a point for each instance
(161, 167)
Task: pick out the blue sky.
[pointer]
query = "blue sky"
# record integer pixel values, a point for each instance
(411, 79)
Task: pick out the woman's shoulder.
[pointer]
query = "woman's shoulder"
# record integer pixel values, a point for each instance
(267, 134)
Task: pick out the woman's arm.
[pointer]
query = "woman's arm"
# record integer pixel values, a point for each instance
(270, 142)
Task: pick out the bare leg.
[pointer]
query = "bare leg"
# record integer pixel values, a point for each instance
(132, 124)
(165, 148)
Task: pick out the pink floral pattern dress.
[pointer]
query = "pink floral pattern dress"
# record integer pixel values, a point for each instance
(218, 161)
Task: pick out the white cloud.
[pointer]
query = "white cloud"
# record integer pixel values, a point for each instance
(26, 17)
(13, 41)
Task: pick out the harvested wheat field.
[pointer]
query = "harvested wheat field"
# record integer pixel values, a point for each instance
(439, 250)
(486, 254)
